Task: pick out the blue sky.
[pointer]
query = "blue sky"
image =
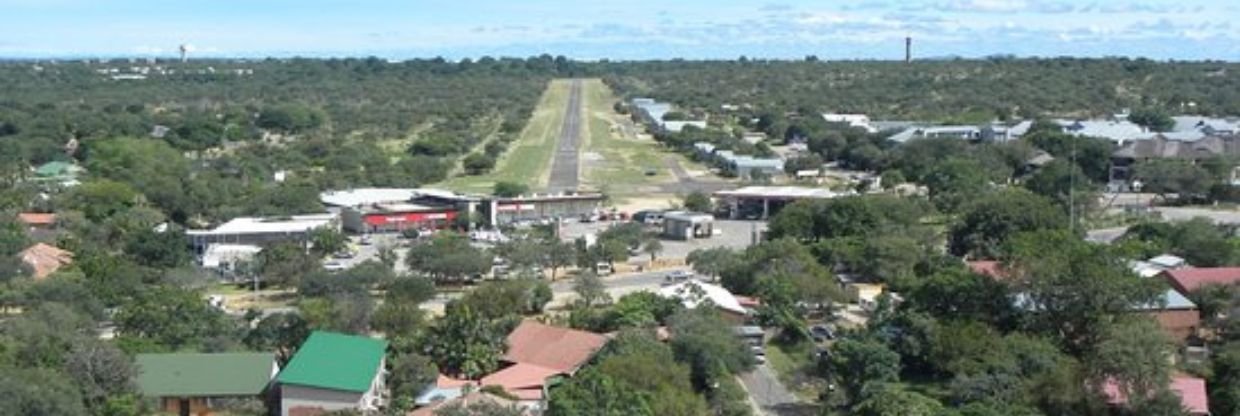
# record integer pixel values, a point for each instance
(629, 29)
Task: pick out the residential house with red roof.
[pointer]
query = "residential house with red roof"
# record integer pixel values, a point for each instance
(1192, 392)
(1189, 279)
(44, 259)
(538, 354)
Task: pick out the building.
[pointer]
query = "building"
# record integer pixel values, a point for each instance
(193, 383)
(257, 231)
(864, 294)
(62, 173)
(1206, 125)
(538, 355)
(693, 293)
(860, 121)
(1192, 392)
(44, 259)
(653, 113)
(226, 257)
(371, 210)
(445, 388)
(764, 201)
(470, 399)
(37, 220)
(1187, 280)
(503, 211)
(1162, 147)
(333, 372)
(682, 225)
(1118, 131)
(748, 167)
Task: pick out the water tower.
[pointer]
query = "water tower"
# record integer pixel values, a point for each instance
(184, 52)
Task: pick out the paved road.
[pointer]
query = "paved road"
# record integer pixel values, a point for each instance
(686, 183)
(566, 163)
(769, 394)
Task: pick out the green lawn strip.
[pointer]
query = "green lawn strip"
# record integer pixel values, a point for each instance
(794, 364)
(624, 161)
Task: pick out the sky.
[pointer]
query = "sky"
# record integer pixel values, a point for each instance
(621, 30)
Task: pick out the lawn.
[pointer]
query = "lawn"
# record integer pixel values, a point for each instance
(528, 159)
(614, 159)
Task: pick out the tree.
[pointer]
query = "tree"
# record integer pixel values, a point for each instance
(164, 250)
(811, 161)
(152, 167)
(1152, 119)
(171, 317)
(38, 391)
(701, 339)
(480, 408)
(1224, 382)
(101, 371)
(1064, 183)
(478, 163)
(327, 241)
(282, 333)
(1133, 354)
(992, 220)
(1171, 176)
(697, 201)
(1076, 287)
(283, 264)
(890, 399)
(505, 189)
(711, 261)
(464, 343)
(644, 363)
(591, 392)
(590, 290)
(448, 257)
(858, 363)
(652, 247)
(410, 375)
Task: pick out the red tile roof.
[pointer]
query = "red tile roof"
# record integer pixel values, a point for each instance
(35, 218)
(519, 376)
(1192, 392)
(445, 382)
(560, 349)
(1190, 279)
(45, 259)
(989, 268)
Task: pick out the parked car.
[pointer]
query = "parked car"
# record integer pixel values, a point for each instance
(677, 277)
(759, 353)
(334, 266)
(821, 333)
(602, 268)
(365, 240)
(343, 254)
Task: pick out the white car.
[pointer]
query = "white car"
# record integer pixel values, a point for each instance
(334, 266)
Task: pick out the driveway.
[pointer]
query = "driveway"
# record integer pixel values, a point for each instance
(770, 395)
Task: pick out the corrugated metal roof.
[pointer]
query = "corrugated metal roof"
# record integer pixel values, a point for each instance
(204, 375)
(335, 361)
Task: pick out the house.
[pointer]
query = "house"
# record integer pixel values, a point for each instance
(860, 121)
(538, 354)
(692, 294)
(467, 400)
(1205, 125)
(194, 383)
(1188, 280)
(44, 259)
(1118, 131)
(37, 220)
(1192, 392)
(262, 230)
(333, 371)
(1163, 147)
(63, 173)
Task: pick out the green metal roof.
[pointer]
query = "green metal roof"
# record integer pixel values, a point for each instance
(55, 168)
(335, 361)
(197, 375)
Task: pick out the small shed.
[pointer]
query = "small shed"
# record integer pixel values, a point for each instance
(683, 225)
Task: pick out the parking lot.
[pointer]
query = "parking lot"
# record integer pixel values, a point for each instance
(734, 234)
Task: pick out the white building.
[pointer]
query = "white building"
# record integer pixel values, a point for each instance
(259, 230)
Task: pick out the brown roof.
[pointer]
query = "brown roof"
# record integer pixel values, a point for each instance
(36, 218)
(45, 259)
(1162, 147)
(519, 376)
(466, 400)
(1180, 324)
(1190, 279)
(989, 268)
(560, 349)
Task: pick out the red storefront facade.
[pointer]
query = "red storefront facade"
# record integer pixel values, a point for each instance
(396, 221)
